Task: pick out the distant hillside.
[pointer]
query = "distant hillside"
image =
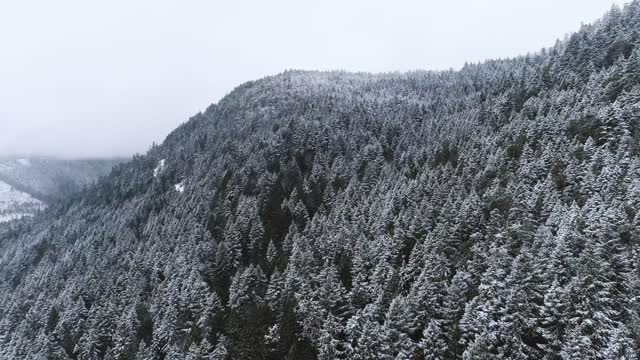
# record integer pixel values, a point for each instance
(49, 179)
(29, 184)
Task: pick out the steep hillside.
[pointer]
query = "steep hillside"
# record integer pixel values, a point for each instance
(484, 213)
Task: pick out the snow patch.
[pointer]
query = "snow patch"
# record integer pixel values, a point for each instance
(180, 187)
(159, 169)
(14, 216)
(24, 162)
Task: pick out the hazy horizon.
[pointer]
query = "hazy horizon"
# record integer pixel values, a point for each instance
(106, 79)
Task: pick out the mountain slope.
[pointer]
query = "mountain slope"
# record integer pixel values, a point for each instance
(483, 213)
(15, 204)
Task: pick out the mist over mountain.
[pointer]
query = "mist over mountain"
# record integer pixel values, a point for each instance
(28, 184)
(485, 213)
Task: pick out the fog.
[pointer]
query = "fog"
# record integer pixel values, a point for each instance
(107, 78)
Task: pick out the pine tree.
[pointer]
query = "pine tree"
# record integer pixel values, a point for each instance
(434, 343)
(220, 352)
(593, 314)
(398, 326)
(331, 344)
(620, 346)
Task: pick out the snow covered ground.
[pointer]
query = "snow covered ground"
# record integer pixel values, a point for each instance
(15, 204)
(180, 187)
(159, 169)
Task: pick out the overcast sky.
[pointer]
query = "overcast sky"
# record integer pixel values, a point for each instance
(87, 78)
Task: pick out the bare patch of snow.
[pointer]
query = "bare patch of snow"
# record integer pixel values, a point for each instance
(158, 170)
(180, 187)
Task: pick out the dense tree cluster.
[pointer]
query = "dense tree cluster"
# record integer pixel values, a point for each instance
(485, 213)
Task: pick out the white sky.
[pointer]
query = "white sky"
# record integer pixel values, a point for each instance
(84, 78)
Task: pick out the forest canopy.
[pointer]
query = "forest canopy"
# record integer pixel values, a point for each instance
(490, 212)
